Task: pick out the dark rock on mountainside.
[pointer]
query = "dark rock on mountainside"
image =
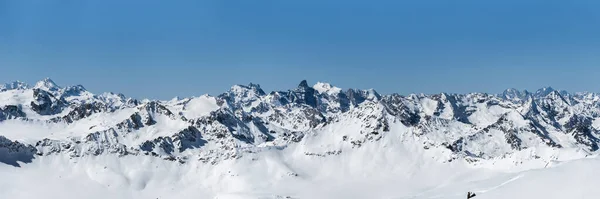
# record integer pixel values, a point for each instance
(45, 103)
(188, 138)
(13, 152)
(581, 129)
(11, 112)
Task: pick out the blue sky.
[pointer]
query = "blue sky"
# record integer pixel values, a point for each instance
(161, 49)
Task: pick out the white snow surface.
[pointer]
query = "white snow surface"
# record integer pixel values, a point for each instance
(369, 173)
(16, 97)
(326, 88)
(200, 106)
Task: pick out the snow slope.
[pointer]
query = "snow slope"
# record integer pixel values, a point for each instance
(268, 176)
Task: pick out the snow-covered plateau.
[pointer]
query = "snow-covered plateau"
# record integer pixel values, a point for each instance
(308, 142)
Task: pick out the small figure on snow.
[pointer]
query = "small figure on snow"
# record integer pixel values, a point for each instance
(470, 195)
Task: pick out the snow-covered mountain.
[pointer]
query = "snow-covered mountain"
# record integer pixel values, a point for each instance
(294, 132)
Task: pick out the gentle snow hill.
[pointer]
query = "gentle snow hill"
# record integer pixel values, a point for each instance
(316, 141)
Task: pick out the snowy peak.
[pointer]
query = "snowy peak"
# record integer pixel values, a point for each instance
(373, 95)
(555, 99)
(362, 95)
(76, 90)
(303, 84)
(519, 96)
(16, 85)
(554, 95)
(513, 94)
(78, 87)
(304, 88)
(245, 90)
(543, 91)
(203, 105)
(303, 94)
(256, 88)
(240, 95)
(326, 88)
(47, 84)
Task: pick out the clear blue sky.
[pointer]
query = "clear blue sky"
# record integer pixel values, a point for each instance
(161, 49)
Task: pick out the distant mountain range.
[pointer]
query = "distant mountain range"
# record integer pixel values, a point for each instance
(47, 119)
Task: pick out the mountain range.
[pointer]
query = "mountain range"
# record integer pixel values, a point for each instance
(513, 129)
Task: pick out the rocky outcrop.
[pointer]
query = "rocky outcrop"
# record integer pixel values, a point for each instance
(45, 103)
(13, 152)
(11, 112)
(189, 138)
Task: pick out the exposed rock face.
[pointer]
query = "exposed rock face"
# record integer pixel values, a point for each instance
(303, 95)
(17, 85)
(46, 103)
(188, 138)
(12, 152)
(11, 112)
(81, 111)
(581, 129)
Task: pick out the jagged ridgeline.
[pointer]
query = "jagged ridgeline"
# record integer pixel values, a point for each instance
(46, 119)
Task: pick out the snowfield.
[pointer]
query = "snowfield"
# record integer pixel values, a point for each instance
(268, 177)
(307, 142)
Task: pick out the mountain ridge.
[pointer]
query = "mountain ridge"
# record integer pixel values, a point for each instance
(475, 127)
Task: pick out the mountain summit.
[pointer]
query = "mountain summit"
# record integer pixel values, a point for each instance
(47, 84)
